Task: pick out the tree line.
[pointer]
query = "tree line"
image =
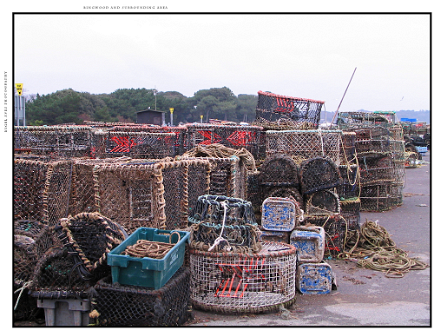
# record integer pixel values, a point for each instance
(69, 106)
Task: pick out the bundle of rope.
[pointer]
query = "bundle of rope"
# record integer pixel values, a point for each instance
(374, 249)
(151, 249)
(218, 150)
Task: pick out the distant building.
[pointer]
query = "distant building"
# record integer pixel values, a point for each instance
(154, 117)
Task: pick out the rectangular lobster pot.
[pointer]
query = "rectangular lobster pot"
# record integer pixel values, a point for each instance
(122, 306)
(350, 211)
(350, 186)
(314, 278)
(243, 282)
(67, 312)
(147, 272)
(278, 214)
(376, 198)
(305, 144)
(309, 242)
(274, 236)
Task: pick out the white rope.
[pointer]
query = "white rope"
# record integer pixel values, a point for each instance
(220, 238)
(322, 142)
(21, 290)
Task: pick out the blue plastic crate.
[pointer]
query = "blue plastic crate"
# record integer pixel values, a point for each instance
(147, 272)
(279, 214)
(314, 278)
(309, 242)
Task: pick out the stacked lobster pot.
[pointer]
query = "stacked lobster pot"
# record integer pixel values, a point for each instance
(231, 269)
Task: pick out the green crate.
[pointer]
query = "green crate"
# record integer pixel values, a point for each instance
(147, 272)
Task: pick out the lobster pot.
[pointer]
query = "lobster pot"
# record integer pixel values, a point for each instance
(122, 305)
(377, 133)
(348, 147)
(318, 174)
(354, 119)
(279, 214)
(232, 136)
(397, 149)
(25, 259)
(396, 132)
(228, 177)
(133, 144)
(229, 219)
(254, 192)
(56, 141)
(243, 283)
(350, 186)
(314, 278)
(273, 107)
(322, 203)
(88, 237)
(376, 170)
(279, 170)
(274, 236)
(376, 197)
(334, 227)
(42, 236)
(309, 242)
(399, 171)
(284, 192)
(148, 193)
(350, 211)
(396, 194)
(305, 144)
(41, 190)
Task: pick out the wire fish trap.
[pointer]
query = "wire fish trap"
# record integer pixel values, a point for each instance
(279, 170)
(124, 305)
(318, 174)
(244, 283)
(89, 237)
(224, 223)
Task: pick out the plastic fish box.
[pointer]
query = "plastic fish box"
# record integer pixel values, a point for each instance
(314, 278)
(279, 214)
(148, 272)
(65, 312)
(309, 242)
(274, 236)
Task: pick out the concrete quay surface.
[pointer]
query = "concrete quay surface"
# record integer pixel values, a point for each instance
(364, 297)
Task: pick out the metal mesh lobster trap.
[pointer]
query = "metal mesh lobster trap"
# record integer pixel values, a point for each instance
(223, 223)
(317, 174)
(56, 141)
(381, 197)
(89, 237)
(376, 169)
(244, 283)
(133, 144)
(279, 170)
(301, 145)
(148, 193)
(323, 202)
(273, 107)
(231, 136)
(41, 190)
(137, 306)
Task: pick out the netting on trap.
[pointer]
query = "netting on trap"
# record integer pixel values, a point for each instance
(41, 190)
(222, 223)
(154, 193)
(279, 170)
(301, 145)
(350, 186)
(25, 258)
(244, 283)
(380, 197)
(350, 211)
(335, 228)
(317, 174)
(396, 132)
(363, 119)
(348, 147)
(322, 203)
(273, 107)
(231, 136)
(89, 237)
(133, 144)
(56, 141)
(376, 170)
(137, 306)
(287, 192)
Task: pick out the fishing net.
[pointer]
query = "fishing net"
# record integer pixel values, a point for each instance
(302, 145)
(318, 174)
(88, 238)
(56, 141)
(279, 170)
(244, 283)
(273, 107)
(41, 190)
(121, 306)
(223, 223)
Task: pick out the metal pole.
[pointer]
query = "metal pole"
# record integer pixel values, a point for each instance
(337, 110)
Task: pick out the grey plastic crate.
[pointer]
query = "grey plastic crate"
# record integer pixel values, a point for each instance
(65, 312)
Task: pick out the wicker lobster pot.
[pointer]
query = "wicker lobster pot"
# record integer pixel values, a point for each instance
(244, 283)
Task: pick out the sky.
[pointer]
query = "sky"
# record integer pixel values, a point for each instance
(301, 55)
